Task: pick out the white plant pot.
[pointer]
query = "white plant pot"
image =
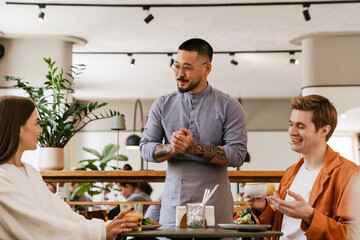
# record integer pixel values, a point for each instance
(50, 158)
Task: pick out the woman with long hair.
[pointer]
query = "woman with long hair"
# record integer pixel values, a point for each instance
(28, 210)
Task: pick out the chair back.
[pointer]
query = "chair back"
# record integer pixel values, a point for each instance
(101, 214)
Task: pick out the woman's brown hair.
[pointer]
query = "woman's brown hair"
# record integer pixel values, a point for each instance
(14, 112)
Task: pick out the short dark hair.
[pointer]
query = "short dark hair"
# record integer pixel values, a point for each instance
(14, 112)
(324, 112)
(127, 167)
(202, 47)
(145, 187)
(123, 184)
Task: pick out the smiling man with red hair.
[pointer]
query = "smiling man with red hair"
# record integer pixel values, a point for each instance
(315, 193)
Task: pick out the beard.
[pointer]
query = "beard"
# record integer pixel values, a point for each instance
(190, 87)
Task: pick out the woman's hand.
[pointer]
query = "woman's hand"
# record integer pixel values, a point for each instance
(258, 203)
(119, 224)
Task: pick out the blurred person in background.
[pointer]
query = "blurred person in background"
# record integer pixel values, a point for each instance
(132, 192)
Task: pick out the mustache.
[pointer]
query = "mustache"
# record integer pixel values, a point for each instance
(181, 79)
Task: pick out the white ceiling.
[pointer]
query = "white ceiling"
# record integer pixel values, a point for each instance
(225, 28)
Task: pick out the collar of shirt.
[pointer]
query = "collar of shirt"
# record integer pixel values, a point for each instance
(200, 94)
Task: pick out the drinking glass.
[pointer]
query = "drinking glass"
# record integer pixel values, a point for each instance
(195, 215)
(137, 212)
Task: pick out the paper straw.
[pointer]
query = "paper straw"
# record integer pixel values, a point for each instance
(204, 195)
(211, 193)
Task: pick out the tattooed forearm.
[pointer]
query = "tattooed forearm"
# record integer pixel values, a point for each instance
(214, 154)
(162, 150)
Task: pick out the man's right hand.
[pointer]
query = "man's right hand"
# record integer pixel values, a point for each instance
(181, 141)
(258, 203)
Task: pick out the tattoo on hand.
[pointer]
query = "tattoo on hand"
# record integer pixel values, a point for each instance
(209, 153)
(162, 150)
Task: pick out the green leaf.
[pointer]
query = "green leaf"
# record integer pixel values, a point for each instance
(88, 160)
(109, 150)
(121, 157)
(93, 151)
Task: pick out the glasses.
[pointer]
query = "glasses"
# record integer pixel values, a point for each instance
(185, 69)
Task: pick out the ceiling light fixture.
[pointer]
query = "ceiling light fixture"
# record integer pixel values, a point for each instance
(132, 61)
(171, 60)
(149, 17)
(233, 61)
(292, 59)
(306, 12)
(118, 123)
(41, 14)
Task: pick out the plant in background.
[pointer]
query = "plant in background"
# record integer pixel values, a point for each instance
(60, 117)
(100, 163)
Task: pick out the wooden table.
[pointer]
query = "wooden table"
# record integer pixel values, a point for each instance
(198, 233)
(149, 176)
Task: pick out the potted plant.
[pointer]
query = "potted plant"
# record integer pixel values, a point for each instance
(60, 116)
(100, 163)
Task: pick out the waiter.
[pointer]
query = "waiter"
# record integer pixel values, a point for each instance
(204, 132)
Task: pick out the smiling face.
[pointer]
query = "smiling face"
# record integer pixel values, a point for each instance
(304, 137)
(195, 80)
(30, 132)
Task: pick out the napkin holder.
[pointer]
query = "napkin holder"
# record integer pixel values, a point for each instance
(181, 216)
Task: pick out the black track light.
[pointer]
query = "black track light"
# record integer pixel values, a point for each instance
(306, 12)
(233, 61)
(171, 59)
(132, 61)
(149, 17)
(293, 60)
(41, 14)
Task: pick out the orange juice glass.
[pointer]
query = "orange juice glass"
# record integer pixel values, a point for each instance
(137, 212)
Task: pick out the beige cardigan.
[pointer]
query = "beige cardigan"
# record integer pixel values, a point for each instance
(28, 210)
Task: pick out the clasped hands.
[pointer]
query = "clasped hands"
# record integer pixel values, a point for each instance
(182, 141)
(298, 208)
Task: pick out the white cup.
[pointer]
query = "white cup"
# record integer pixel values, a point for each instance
(256, 189)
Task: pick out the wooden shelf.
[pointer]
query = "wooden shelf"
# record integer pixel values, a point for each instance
(118, 203)
(149, 176)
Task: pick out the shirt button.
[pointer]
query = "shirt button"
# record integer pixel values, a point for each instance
(193, 108)
(193, 97)
(261, 217)
(191, 122)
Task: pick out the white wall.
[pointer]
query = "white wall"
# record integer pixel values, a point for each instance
(24, 57)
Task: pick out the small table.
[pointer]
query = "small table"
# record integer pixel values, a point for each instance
(198, 233)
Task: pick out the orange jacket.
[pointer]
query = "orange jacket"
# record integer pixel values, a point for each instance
(331, 197)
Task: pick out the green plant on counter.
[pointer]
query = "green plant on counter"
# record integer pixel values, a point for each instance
(98, 164)
(60, 117)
